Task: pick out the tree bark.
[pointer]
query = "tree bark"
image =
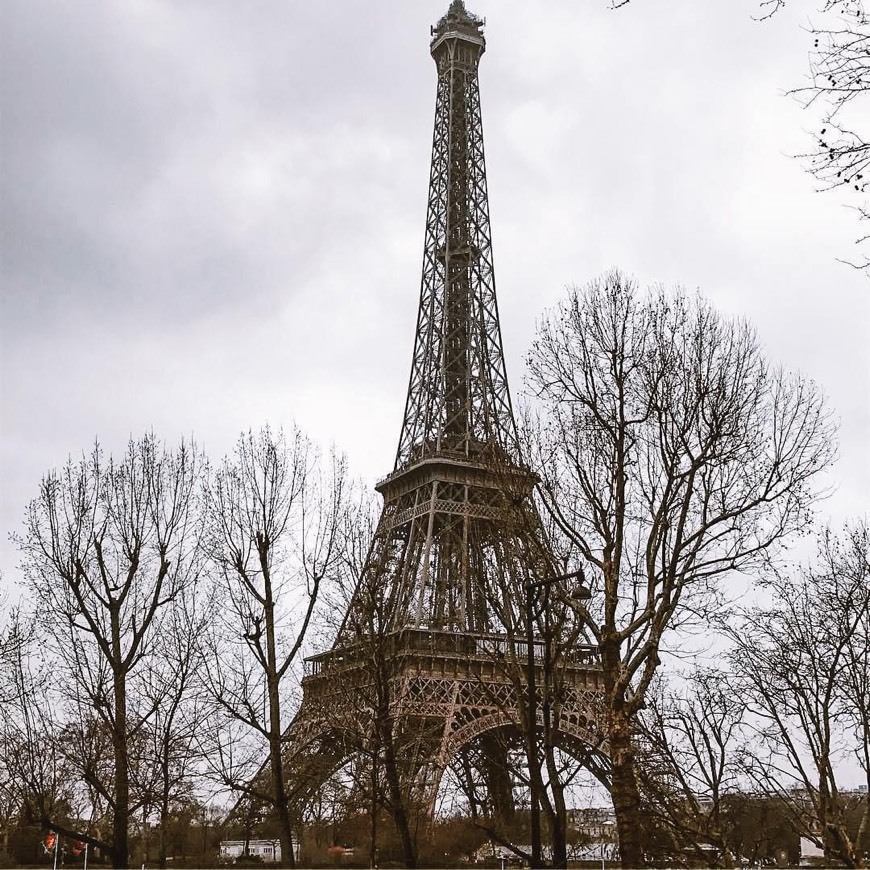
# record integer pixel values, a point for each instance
(624, 790)
(397, 799)
(559, 816)
(121, 815)
(164, 813)
(276, 762)
(373, 826)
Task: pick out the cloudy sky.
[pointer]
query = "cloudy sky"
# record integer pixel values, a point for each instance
(212, 212)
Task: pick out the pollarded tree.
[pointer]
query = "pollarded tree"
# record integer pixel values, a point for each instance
(274, 517)
(671, 453)
(108, 546)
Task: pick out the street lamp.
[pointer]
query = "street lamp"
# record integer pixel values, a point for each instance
(532, 588)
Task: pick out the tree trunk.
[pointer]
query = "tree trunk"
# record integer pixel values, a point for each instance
(559, 817)
(288, 857)
(121, 815)
(276, 762)
(164, 816)
(624, 790)
(397, 799)
(373, 828)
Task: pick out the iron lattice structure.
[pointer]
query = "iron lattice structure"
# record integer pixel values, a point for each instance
(430, 638)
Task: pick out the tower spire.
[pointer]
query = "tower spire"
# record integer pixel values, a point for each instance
(439, 536)
(457, 16)
(458, 401)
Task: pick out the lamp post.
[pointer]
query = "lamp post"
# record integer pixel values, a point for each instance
(532, 588)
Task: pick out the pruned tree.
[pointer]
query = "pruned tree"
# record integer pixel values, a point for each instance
(108, 546)
(801, 663)
(273, 518)
(671, 453)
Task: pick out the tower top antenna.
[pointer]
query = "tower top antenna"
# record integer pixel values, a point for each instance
(458, 19)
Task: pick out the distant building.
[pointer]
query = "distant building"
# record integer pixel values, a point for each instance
(594, 851)
(495, 851)
(269, 851)
(810, 852)
(597, 824)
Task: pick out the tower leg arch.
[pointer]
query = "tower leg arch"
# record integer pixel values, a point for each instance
(577, 734)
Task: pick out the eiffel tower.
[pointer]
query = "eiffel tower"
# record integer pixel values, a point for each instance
(437, 613)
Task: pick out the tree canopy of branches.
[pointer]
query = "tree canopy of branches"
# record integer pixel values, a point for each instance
(170, 686)
(273, 535)
(802, 664)
(839, 90)
(688, 768)
(108, 546)
(671, 453)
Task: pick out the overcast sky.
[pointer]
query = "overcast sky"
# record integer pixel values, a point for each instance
(212, 211)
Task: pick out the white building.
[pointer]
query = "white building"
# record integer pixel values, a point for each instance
(810, 852)
(268, 850)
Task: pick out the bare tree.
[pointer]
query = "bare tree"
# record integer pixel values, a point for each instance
(361, 607)
(170, 688)
(38, 779)
(839, 91)
(13, 636)
(14, 641)
(376, 694)
(532, 609)
(107, 547)
(530, 753)
(802, 664)
(273, 537)
(671, 453)
(690, 736)
(853, 556)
